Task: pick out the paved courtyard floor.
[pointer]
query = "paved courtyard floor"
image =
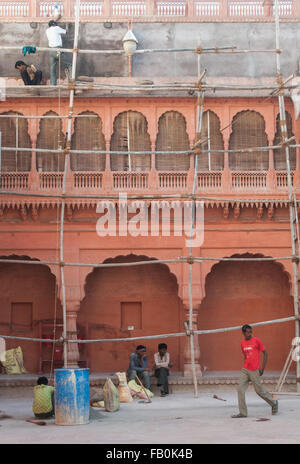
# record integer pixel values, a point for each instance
(176, 419)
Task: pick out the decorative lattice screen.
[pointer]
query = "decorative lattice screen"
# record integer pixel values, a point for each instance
(130, 134)
(88, 136)
(211, 132)
(279, 154)
(12, 161)
(51, 137)
(172, 136)
(248, 130)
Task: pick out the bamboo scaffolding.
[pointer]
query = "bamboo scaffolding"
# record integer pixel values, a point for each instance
(219, 50)
(292, 211)
(193, 196)
(182, 196)
(180, 259)
(153, 337)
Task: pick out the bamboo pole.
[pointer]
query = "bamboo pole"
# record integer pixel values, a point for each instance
(67, 156)
(218, 50)
(292, 210)
(187, 196)
(153, 337)
(180, 259)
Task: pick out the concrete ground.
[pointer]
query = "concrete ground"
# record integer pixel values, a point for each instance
(176, 419)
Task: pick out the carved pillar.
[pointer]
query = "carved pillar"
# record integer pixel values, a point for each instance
(33, 175)
(226, 175)
(73, 351)
(188, 372)
(153, 175)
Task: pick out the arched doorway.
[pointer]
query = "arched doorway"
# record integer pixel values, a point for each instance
(28, 295)
(131, 302)
(240, 293)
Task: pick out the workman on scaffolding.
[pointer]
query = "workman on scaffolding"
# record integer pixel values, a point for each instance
(29, 73)
(54, 33)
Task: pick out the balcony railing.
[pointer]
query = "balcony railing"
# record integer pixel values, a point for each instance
(152, 182)
(152, 10)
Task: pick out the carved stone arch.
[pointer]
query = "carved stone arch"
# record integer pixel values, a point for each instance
(29, 297)
(238, 293)
(211, 132)
(129, 301)
(14, 133)
(52, 137)
(248, 130)
(88, 135)
(130, 133)
(279, 154)
(172, 136)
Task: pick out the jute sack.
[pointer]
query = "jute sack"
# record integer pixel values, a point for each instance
(111, 396)
(123, 389)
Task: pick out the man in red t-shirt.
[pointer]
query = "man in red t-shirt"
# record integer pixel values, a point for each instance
(251, 349)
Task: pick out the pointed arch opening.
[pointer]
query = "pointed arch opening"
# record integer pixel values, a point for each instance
(238, 293)
(88, 136)
(172, 136)
(14, 133)
(279, 154)
(248, 130)
(50, 137)
(127, 302)
(211, 132)
(130, 134)
(29, 298)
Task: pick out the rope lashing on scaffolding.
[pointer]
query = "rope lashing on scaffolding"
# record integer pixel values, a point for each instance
(28, 49)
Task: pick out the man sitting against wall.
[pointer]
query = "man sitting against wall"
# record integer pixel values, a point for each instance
(162, 364)
(138, 365)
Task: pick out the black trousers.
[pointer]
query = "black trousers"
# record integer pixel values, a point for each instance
(162, 378)
(36, 80)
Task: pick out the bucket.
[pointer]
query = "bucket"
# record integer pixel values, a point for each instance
(72, 396)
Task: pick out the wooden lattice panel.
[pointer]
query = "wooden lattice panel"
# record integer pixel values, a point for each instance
(248, 130)
(279, 154)
(172, 136)
(130, 134)
(88, 136)
(12, 161)
(51, 137)
(215, 142)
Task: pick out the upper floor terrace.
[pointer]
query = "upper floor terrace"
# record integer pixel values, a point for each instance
(150, 10)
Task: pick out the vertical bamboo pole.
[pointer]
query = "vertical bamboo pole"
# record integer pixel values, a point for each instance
(63, 203)
(199, 127)
(292, 209)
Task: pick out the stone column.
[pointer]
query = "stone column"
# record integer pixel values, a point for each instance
(188, 372)
(73, 351)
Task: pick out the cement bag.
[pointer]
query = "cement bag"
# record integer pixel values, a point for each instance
(111, 396)
(13, 363)
(123, 389)
(137, 390)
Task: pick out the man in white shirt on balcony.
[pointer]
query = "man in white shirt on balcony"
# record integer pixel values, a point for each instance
(54, 33)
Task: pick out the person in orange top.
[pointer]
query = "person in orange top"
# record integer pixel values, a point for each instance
(251, 372)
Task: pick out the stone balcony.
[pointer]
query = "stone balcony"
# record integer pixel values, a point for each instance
(226, 183)
(150, 10)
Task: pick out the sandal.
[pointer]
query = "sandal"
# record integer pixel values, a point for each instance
(238, 416)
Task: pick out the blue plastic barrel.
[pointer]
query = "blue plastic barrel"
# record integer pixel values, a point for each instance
(72, 396)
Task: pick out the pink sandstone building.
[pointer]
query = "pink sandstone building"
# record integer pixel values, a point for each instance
(150, 299)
